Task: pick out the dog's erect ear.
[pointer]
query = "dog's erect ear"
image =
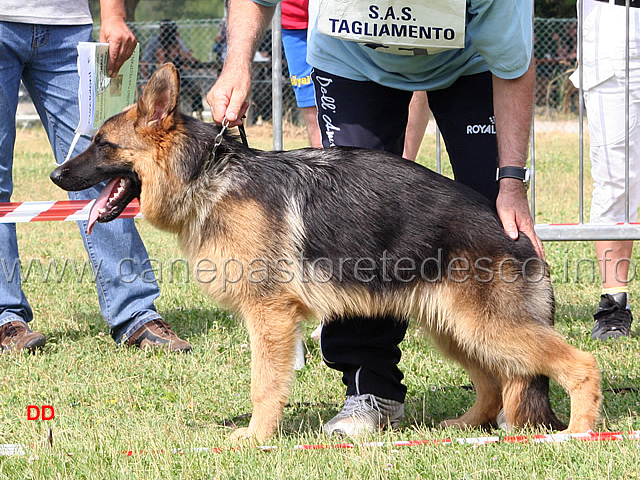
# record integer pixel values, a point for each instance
(159, 99)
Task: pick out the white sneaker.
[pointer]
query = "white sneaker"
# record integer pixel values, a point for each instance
(363, 414)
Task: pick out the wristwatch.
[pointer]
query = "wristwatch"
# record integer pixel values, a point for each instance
(521, 173)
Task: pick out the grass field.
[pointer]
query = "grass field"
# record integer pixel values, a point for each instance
(109, 400)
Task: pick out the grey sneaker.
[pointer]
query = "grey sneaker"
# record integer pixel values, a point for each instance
(501, 421)
(365, 413)
(613, 319)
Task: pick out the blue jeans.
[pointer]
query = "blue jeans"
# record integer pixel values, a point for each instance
(44, 57)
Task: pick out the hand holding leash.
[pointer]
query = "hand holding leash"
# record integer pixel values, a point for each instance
(228, 97)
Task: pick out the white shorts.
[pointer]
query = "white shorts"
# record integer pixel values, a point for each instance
(604, 92)
(605, 111)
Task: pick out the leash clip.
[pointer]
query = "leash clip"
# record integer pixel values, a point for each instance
(217, 142)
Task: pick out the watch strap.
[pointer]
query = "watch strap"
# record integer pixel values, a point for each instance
(521, 173)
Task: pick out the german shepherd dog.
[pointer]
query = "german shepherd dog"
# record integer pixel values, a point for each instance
(336, 233)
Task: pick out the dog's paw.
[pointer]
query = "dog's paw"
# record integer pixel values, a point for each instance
(452, 423)
(582, 429)
(242, 435)
(447, 423)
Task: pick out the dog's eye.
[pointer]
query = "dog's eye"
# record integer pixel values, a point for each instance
(102, 143)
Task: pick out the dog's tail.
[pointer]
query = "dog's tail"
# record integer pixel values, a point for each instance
(526, 402)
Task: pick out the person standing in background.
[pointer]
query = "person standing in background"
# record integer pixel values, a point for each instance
(603, 70)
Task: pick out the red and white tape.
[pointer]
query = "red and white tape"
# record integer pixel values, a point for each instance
(19, 449)
(551, 438)
(64, 210)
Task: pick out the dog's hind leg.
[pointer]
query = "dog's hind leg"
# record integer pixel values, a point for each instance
(514, 338)
(577, 372)
(488, 400)
(272, 326)
(488, 390)
(542, 352)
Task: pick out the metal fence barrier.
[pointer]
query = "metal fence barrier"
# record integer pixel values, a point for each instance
(562, 54)
(555, 41)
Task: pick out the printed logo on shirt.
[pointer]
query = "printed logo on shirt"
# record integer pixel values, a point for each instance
(488, 129)
(403, 27)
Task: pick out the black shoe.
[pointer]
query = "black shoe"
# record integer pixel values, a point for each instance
(158, 334)
(613, 319)
(16, 336)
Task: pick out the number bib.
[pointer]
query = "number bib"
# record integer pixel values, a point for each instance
(396, 26)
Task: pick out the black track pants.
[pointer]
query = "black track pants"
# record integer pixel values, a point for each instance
(365, 114)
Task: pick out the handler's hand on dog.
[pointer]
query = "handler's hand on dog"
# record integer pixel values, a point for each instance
(121, 40)
(228, 96)
(513, 210)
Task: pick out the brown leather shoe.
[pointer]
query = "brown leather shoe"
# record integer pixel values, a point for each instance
(16, 336)
(158, 334)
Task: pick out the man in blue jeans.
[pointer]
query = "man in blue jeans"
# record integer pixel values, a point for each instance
(38, 46)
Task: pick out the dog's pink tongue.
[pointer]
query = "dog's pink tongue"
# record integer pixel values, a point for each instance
(101, 202)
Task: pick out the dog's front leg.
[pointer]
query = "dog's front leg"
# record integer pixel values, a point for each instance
(273, 334)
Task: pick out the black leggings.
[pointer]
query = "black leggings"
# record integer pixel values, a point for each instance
(366, 114)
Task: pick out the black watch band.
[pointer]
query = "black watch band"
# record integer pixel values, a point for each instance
(521, 173)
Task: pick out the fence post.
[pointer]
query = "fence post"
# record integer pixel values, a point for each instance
(626, 112)
(580, 117)
(276, 79)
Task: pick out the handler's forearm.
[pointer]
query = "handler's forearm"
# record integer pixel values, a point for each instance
(112, 10)
(513, 106)
(246, 25)
(228, 96)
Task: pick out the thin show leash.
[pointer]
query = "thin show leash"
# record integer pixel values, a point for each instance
(218, 140)
(243, 134)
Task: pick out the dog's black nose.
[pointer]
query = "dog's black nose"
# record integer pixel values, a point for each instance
(58, 174)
